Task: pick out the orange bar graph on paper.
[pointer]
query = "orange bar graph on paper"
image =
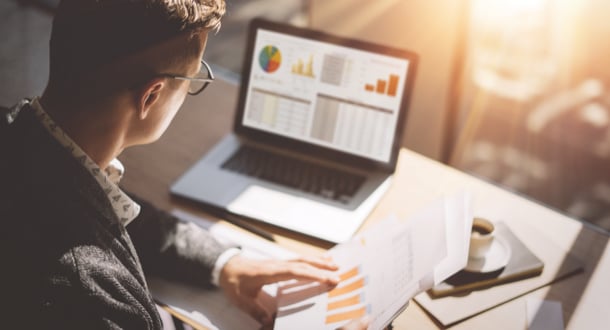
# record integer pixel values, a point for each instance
(358, 284)
(349, 274)
(381, 86)
(393, 85)
(369, 87)
(356, 313)
(350, 301)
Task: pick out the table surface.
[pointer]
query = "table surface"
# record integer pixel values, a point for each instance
(205, 119)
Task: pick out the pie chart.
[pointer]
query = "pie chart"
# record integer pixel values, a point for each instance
(270, 59)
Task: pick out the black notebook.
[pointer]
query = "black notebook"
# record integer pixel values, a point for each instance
(522, 263)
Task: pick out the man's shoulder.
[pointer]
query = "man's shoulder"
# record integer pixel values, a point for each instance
(22, 139)
(39, 176)
(13, 119)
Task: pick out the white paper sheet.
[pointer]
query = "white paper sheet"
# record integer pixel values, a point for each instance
(458, 221)
(383, 268)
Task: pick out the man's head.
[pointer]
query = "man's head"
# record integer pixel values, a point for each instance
(90, 35)
(104, 49)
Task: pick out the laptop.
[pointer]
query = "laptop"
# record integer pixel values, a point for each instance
(316, 134)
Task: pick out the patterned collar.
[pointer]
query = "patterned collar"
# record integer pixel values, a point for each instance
(124, 207)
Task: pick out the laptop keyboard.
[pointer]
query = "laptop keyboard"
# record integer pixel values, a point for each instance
(295, 173)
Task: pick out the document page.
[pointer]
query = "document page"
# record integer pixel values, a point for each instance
(382, 269)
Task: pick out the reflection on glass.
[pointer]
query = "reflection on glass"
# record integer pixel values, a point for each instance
(535, 100)
(513, 47)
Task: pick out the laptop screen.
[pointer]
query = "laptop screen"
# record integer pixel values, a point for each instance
(326, 94)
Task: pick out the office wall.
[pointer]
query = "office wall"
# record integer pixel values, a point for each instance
(428, 27)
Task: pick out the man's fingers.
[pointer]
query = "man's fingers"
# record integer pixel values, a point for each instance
(299, 271)
(319, 262)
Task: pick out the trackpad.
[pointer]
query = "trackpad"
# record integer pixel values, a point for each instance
(296, 213)
(264, 203)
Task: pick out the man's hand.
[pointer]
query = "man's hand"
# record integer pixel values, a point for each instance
(242, 279)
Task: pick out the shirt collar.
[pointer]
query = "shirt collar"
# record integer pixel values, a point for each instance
(124, 207)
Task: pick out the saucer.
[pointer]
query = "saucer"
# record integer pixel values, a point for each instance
(496, 258)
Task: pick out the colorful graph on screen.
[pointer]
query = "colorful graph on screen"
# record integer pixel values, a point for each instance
(388, 87)
(303, 68)
(270, 58)
(347, 300)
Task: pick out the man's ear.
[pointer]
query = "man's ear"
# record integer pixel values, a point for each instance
(148, 95)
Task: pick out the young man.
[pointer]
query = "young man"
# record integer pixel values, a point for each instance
(75, 246)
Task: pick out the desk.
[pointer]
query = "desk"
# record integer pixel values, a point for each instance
(204, 119)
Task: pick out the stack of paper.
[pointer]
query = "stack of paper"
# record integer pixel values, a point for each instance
(383, 268)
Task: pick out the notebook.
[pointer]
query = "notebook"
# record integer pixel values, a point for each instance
(316, 133)
(558, 264)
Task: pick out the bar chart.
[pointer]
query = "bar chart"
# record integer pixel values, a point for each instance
(347, 300)
(358, 284)
(303, 68)
(388, 87)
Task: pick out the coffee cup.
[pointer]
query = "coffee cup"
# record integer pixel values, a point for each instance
(481, 238)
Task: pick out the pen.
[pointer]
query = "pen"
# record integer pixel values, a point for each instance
(247, 226)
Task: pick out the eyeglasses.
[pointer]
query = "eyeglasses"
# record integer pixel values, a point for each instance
(198, 83)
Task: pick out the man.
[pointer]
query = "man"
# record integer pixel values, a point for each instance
(75, 246)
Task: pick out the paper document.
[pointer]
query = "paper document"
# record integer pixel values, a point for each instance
(382, 269)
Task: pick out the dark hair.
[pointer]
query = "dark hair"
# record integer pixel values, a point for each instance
(88, 34)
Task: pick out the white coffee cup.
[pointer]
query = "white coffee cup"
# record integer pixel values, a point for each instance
(481, 237)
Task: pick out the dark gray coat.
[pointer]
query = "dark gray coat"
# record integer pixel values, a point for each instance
(68, 262)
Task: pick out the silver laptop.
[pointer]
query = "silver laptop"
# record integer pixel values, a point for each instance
(316, 134)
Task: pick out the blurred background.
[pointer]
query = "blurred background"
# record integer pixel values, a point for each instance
(515, 92)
